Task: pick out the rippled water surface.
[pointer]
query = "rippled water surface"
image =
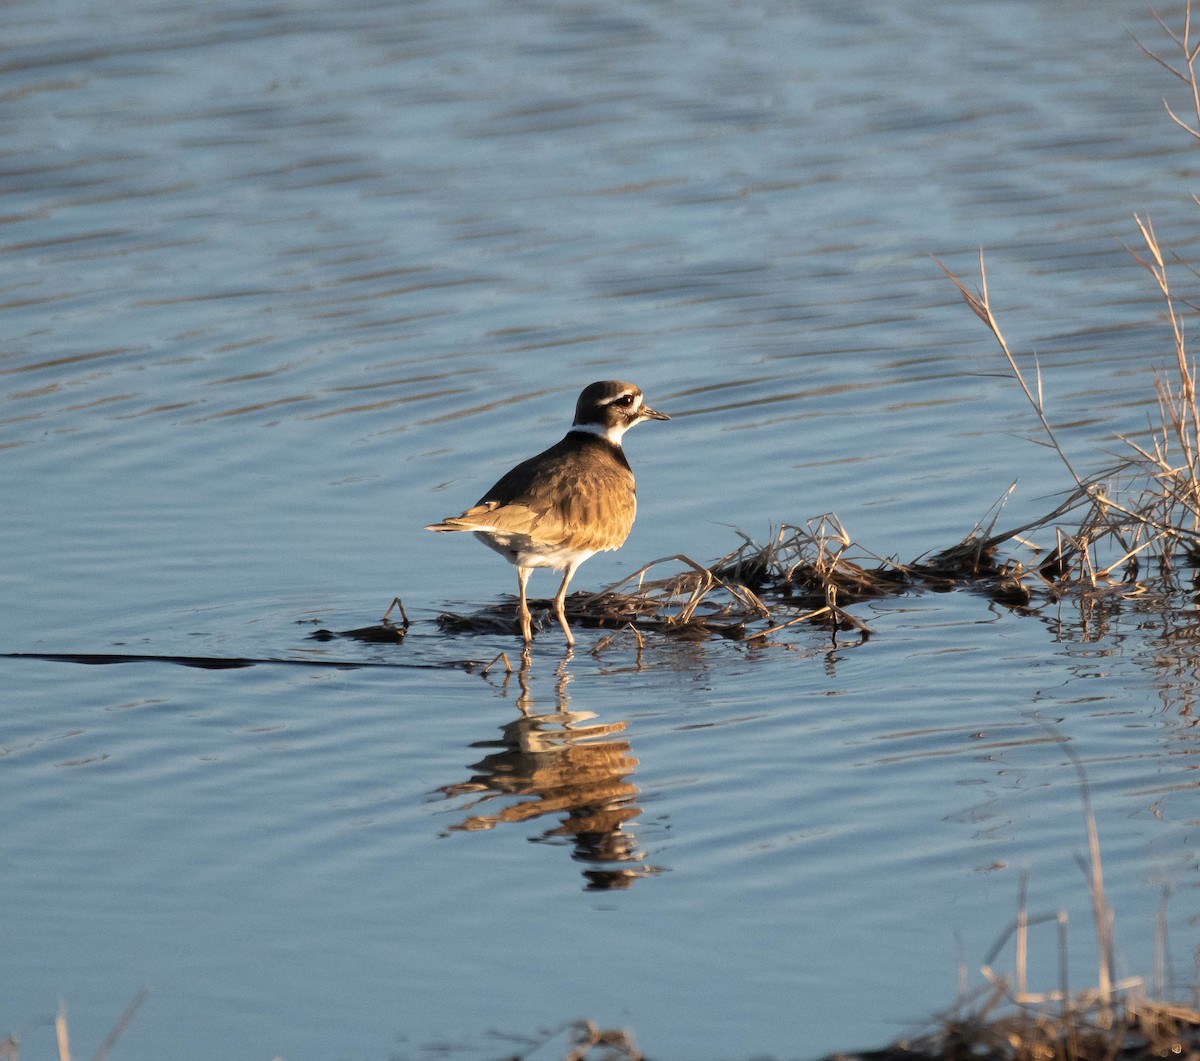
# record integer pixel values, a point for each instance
(281, 284)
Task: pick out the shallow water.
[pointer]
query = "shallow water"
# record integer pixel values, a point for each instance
(281, 284)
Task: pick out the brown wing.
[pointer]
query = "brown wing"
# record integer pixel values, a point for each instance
(474, 519)
(590, 514)
(577, 491)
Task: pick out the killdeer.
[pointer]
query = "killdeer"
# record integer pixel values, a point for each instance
(569, 502)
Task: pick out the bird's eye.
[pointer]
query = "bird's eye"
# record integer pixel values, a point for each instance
(625, 400)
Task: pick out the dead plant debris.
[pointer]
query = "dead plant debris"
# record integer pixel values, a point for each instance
(584, 1041)
(806, 575)
(1139, 1030)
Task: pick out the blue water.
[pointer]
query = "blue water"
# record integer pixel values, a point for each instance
(279, 285)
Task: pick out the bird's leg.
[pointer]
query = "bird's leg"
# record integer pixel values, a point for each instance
(560, 600)
(523, 606)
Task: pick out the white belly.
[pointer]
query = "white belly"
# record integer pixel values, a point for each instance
(523, 551)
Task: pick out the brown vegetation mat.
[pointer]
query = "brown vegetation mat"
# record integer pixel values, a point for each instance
(807, 574)
(1136, 1030)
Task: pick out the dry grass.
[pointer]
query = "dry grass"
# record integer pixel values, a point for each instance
(1147, 503)
(585, 1041)
(1137, 1029)
(1004, 1021)
(801, 576)
(10, 1046)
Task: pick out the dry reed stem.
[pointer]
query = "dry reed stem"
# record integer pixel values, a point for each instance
(1189, 51)
(1102, 913)
(606, 642)
(980, 305)
(61, 1034)
(118, 1029)
(702, 580)
(1164, 505)
(802, 574)
(1179, 412)
(794, 558)
(807, 617)
(1113, 1019)
(396, 603)
(1162, 956)
(584, 1036)
(507, 666)
(1022, 933)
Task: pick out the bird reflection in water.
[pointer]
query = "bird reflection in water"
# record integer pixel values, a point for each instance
(568, 766)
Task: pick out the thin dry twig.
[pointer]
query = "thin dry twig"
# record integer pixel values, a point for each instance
(980, 305)
(396, 603)
(1159, 502)
(628, 628)
(61, 1034)
(584, 1036)
(118, 1029)
(1190, 50)
(507, 666)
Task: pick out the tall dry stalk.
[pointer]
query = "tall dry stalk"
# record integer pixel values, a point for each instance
(1159, 502)
(1180, 415)
(1102, 913)
(981, 306)
(1101, 520)
(1190, 50)
(1177, 478)
(61, 1033)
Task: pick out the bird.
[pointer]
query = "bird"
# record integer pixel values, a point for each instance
(569, 502)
